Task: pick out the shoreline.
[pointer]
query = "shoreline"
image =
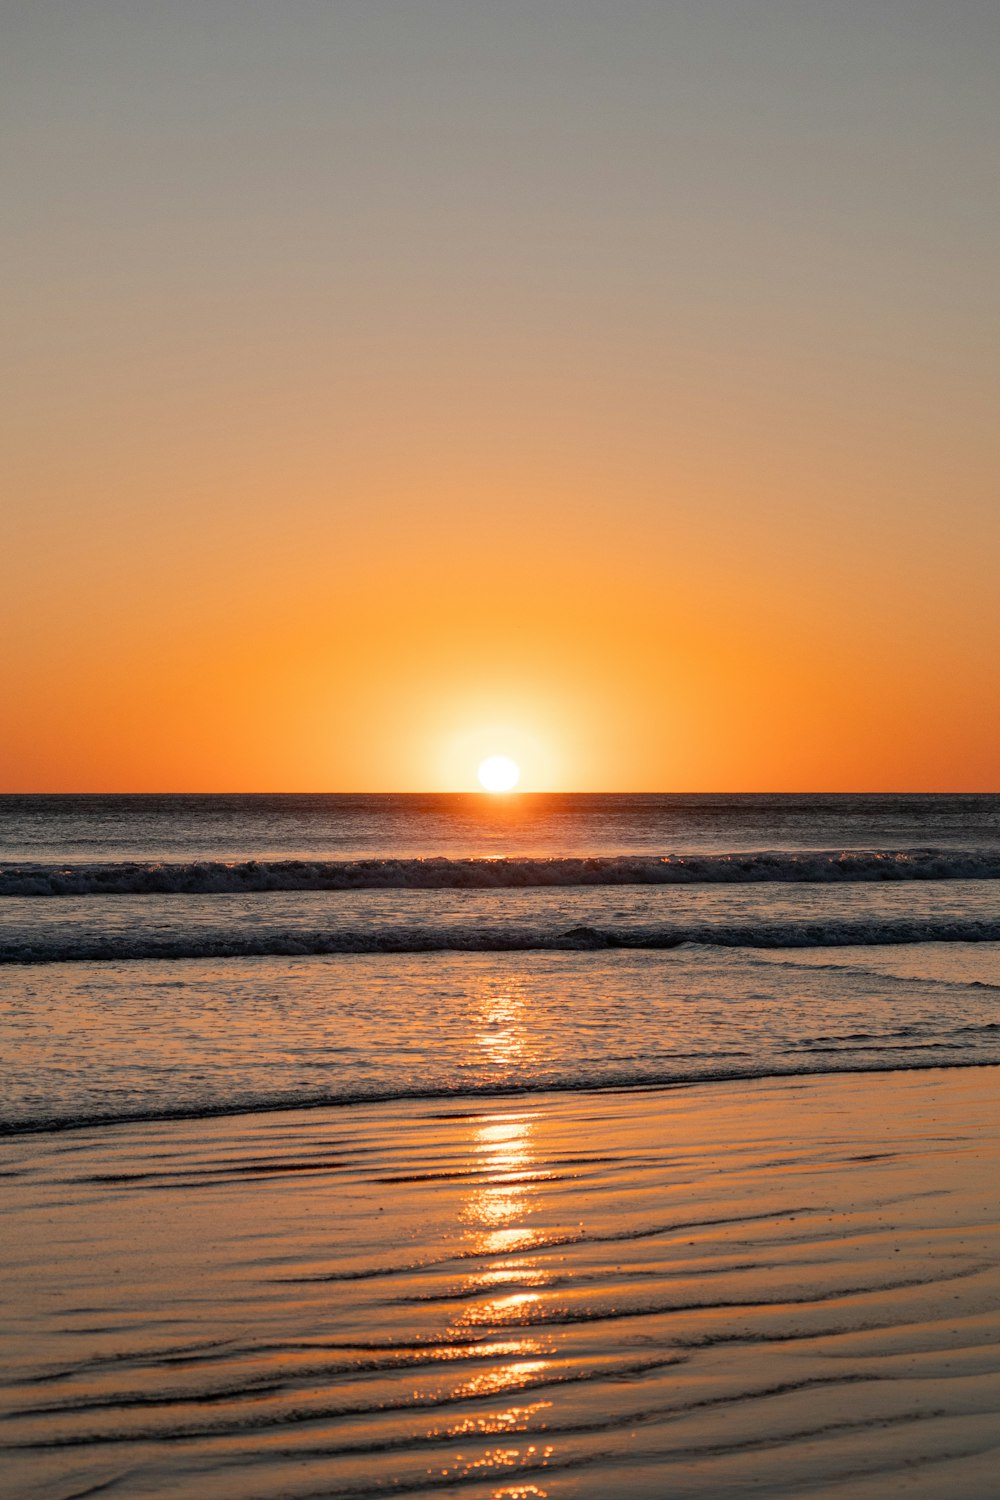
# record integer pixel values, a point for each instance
(769, 1285)
(500, 1094)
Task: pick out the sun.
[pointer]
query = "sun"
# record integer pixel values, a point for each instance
(498, 773)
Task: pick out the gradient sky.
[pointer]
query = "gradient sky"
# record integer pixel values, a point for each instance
(390, 382)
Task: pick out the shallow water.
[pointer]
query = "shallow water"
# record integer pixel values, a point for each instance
(780, 1288)
(119, 1040)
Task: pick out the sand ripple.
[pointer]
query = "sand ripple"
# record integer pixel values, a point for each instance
(771, 1288)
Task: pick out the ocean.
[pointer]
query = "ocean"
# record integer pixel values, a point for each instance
(197, 955)
(530, 1148)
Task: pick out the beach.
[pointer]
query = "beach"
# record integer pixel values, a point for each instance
(584, 1146)
(499, 806)
(764, 1287)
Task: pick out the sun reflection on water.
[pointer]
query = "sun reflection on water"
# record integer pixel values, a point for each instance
(505, 1273)
(503, 1288)
(502, 1036)
(502, 1379)
(503, 1143)
(495, 1211)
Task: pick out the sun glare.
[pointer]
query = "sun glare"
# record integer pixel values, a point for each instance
(499, 773)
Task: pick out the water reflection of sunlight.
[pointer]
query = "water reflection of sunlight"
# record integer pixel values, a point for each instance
(505, 1272)
(503, 1312)
(506, 1241)
(503, 1142)
(506, 1162)
(504, 1284)
(502, 1379)
(495, 1210)
(502, 1036)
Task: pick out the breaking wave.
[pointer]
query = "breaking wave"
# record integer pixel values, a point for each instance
(62, 947)
(212, 877)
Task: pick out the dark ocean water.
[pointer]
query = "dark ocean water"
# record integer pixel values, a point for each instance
(185, 954)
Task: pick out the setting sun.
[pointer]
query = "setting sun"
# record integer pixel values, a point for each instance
(499, 774)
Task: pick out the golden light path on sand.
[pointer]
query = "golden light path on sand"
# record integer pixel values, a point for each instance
(783, 1287)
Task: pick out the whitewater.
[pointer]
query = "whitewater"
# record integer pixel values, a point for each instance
(496, 873)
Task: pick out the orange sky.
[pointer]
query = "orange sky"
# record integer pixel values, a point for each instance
(613, 386)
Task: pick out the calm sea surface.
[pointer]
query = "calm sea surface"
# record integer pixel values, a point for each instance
(189, 955)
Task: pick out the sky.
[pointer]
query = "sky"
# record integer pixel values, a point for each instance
(611, 384)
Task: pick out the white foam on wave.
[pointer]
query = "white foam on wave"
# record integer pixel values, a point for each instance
(60, 947)
(212, 877)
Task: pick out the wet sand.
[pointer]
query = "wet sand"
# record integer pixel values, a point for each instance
(783, 1287)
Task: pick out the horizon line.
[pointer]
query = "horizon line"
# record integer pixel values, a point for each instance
(513, 795)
